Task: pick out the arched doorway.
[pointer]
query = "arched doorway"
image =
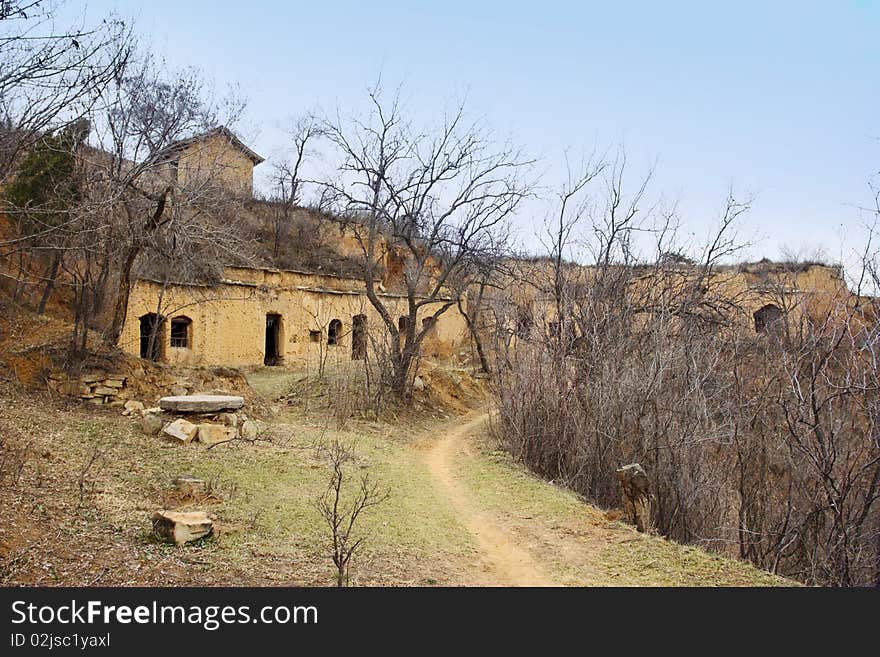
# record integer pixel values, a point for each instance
(768, 319)
(358, 337)
(151, 336)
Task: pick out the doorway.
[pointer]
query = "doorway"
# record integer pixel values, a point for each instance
(334, 332)
(273, 340)
(358, 337)
(151, 337)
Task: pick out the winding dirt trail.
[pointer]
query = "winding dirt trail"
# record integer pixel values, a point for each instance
(507, 562)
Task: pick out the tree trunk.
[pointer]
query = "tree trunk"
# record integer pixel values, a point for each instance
(471, 322)
(484, 362)
(636, 496)
(123, 290)
(50, 282)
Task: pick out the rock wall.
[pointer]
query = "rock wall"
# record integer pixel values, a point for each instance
(96, 388)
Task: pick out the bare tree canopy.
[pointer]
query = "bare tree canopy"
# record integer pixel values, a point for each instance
(432, 198)
(51, 76)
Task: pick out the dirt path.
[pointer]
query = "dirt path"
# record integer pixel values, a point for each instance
(507, 562)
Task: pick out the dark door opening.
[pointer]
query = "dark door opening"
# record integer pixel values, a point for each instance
(358, 337)
(769, 320)
(334, 332)
(151, 337)
(273, 340)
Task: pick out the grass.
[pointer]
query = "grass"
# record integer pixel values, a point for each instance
(652, 561)
(269, 531)
(581, 545)
(268, 491)
(273, 382)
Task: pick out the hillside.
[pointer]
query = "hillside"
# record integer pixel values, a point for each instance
(459, 512)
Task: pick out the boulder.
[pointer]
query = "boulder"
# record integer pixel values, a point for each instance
(181, 527)
(133, 406)
(249, 430)
(113, 383)
(152, 423)
(91, 378)
(201, 403)
(181, 430)
(178, 391)
(101, 391)
(211, 434)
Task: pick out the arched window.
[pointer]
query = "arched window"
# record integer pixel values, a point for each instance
(768, 319)
(358, 337)
(181, 332)
(151, 336)
(334, 332)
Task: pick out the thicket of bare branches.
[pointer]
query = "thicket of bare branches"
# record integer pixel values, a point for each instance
(124, 210)
(764, 446)
(430, 201)
(50, 77)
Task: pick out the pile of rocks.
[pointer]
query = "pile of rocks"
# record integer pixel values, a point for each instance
(98, 388)
(208, 419)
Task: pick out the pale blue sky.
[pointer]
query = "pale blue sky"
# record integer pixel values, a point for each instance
(779, 99)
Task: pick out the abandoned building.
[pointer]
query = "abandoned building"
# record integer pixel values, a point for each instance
(263, 315)
(764, 298)
(294, 316)
(270, 317)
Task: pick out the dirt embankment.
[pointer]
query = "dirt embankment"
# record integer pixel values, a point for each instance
(34, 353)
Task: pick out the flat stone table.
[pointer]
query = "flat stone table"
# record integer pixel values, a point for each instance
(201, 403)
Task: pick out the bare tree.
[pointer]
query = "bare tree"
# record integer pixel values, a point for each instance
(51, 77)
(341, 514)
(99, 449)
(573, 204)
(759, 437)
(287, 179)
(148, 113)
(426, 202)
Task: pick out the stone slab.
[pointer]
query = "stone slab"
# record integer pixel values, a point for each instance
(201, 403)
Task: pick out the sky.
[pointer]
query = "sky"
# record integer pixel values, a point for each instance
(776, 100)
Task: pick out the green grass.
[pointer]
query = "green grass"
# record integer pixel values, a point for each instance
(268, 492)
(271, 533)
(652, 561)
(548, 517)
(506, 487)
(273, 382)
